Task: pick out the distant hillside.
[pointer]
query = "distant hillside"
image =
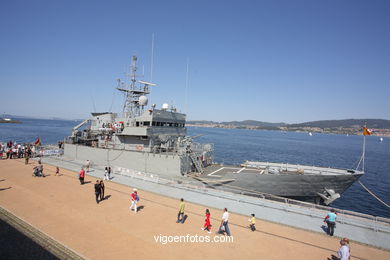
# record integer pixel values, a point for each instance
(381, 127)
(201, 122)
(253, 123)
(346, 123)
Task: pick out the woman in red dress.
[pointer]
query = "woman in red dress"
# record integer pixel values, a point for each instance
(207, 225)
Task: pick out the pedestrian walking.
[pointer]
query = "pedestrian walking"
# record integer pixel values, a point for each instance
(26, 157)
(81, 176)
(252, 222)
(57, 171)
(87, 165)
(330, 220)
(180, 215)
(97, 191)
(106, 173)
(207, 224)
(134, 200)
(109, 173)
(224, 227)
(101, 190)
(343, 252)
(346, 240)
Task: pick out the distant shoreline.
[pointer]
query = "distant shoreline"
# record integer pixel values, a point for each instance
(10, 121)
(339, 131)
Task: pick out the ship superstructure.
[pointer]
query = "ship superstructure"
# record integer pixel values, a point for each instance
(141, 137)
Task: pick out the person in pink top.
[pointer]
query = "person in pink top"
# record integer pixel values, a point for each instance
(81, 176)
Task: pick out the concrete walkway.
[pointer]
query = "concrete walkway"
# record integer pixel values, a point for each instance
(65, 210)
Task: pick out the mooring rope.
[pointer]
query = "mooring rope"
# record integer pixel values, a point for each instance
(384, 203)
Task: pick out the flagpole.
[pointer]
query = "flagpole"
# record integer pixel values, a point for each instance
(364, 151)
(361, 161)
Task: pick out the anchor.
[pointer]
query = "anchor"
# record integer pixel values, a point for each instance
(328, 196)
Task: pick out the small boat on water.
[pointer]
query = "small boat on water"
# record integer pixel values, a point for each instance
(9, 121)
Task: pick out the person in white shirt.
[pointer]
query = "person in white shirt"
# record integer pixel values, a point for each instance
(87, 165)
(224, 227)
(106, 174)
(343, 251)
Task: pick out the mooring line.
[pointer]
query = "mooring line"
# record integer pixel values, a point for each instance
(376, 197)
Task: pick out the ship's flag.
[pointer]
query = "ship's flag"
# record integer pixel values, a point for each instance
(366, 131)
(38, 142)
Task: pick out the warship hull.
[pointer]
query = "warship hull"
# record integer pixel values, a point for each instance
(305, 187)
(166, 164)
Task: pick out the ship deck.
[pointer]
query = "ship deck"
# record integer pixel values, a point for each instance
(218, 171)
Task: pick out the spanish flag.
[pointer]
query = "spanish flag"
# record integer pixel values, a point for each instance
(38, 142)
(366, 131)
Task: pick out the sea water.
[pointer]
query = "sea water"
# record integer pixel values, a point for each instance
(234, 146)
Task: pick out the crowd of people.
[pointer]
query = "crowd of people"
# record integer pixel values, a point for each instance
(224, 225)
(13, 150)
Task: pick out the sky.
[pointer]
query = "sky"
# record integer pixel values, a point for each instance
(286, 61)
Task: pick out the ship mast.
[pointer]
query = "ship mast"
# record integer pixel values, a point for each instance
(135, 96)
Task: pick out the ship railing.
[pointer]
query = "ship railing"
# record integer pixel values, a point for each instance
(198, 147)
(361, 220)
(295, 168)
(136, 148)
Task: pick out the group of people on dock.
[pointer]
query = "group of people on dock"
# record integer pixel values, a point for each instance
(181, 217)
(224, 225)
(13, 150)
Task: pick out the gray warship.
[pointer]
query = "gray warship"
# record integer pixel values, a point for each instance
(150, 140)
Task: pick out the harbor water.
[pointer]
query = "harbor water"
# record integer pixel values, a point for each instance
(234, 146)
